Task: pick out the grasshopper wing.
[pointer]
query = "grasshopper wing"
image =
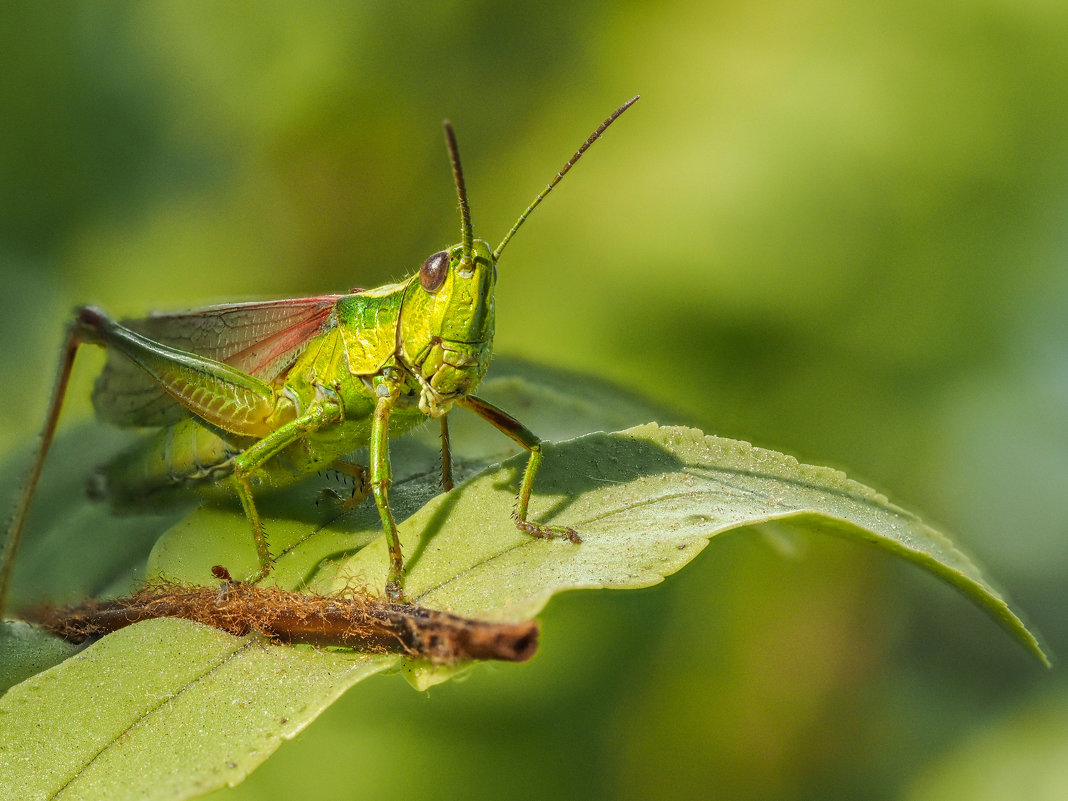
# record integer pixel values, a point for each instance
(261, 338)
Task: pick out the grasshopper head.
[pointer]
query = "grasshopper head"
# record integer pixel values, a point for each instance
(446, 328)
(446, 325)
(451, 298)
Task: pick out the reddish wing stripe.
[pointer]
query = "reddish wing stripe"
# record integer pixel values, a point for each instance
(270, 355)
(226, 332)
(261, 338)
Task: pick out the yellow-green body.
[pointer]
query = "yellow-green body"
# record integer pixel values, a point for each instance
(433, 347)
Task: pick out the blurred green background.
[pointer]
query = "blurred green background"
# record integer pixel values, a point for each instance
(833, 228)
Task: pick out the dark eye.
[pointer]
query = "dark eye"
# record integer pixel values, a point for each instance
(433, 272)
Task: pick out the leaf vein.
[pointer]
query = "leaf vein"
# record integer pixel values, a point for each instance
(166, 699)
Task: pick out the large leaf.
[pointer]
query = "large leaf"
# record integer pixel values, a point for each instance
(169, 709)
(646, 500)
(164, 709)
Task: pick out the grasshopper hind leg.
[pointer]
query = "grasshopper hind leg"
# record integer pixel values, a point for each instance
(18, 522)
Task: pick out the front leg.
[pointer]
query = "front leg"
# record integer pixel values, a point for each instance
(381, 480)
(446, 455)
(524, 437)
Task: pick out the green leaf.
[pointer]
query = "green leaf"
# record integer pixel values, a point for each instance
(646, 501)
(162, 710)
(169, 709)
(26, 650)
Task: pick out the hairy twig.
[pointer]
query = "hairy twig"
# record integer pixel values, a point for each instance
(354, 620)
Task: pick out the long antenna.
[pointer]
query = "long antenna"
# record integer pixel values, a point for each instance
(466, 237)
(559, 176)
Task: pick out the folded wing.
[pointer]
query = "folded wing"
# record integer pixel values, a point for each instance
(261, 338)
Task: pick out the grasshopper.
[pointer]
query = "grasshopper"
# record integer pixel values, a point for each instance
(259, 394)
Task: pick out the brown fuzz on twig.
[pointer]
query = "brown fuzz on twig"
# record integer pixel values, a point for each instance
(354, 620)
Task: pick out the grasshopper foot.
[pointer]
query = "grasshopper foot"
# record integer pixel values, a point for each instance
(548, 532)
(261, 574)
(395, 590)
(360, 477)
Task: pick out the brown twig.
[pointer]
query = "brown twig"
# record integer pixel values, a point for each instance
(354, 621)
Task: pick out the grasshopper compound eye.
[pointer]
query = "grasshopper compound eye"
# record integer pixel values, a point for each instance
(432, 273)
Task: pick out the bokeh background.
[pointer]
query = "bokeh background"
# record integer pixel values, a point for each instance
(832, 228)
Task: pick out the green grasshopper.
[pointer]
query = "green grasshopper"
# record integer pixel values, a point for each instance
(259, 394)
